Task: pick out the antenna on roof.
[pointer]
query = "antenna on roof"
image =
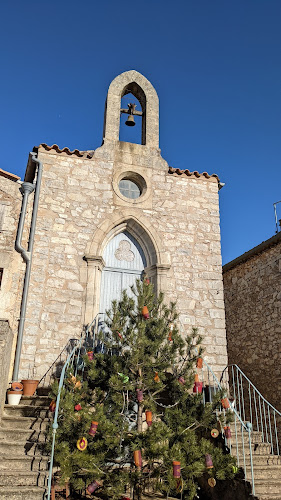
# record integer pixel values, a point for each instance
(276, 219)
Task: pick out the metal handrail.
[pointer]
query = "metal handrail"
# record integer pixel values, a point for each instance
(59, 357)
(76, 350)
(264, 418)
(251, 383)
(238, 422)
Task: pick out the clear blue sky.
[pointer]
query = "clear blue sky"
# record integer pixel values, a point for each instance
(216, 65)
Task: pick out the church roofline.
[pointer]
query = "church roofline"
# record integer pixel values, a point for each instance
(187, 172)
(57, 149)
(265, 245)
(9, 175)
(90, 154)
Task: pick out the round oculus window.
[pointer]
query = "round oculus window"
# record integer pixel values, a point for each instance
(129, 189)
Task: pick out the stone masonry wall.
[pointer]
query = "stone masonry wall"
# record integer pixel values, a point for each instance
(6, 340)
(253, 307)
(78, 194)
(10, 260)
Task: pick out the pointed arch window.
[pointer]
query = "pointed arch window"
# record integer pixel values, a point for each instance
(124, 263)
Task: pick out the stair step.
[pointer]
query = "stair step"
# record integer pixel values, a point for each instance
(24, 463)
(257, 449)
(23, 410)
(267, 496)
(35, 401)
(268, 472)
(255, 437)
(25, 422)
(21, 448)
(22, 435)
(268, 487)
(259, 460)
(27, 479)
(22, 493)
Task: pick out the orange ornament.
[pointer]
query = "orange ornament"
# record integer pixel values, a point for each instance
(225, 403)
(148, 417)
(137, 458)
(199, 363)
(156, 378)
(145, 312)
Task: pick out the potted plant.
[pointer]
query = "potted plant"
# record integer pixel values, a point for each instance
(30, 384)
(15, 393)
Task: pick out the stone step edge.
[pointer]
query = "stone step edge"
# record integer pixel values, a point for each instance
(23, 407)
(8, 443)
(22, 418)
(13, 429)
(27, 458)
(29, 473)
(31, 489)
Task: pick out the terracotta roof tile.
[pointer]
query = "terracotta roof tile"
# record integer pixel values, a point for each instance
(9, 175)
(90, 154)
(57, 149)
(187, 172)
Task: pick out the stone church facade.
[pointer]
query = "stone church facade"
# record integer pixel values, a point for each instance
(104, 217)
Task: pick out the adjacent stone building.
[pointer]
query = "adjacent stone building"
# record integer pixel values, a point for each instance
(107, 215)
(252, 289)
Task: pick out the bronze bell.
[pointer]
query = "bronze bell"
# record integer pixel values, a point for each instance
(130, 122)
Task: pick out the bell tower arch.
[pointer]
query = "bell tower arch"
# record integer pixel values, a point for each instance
(134, 83)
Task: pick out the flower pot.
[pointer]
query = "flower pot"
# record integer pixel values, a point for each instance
(14, 397)
(29, 387)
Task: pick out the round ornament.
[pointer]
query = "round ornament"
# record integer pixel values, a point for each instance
(77, 407)
(212, 482)
(82, 444)
(214, 433)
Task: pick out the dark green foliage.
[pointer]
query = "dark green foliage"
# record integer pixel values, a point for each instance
(137, 350)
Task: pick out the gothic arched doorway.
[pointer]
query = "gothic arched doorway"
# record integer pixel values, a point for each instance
(124, 264)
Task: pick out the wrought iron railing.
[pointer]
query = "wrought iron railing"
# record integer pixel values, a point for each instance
(54, 371)
(238, 442)
(74, 360)
(253, 407)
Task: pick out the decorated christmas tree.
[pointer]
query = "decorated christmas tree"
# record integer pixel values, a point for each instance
(132, 420)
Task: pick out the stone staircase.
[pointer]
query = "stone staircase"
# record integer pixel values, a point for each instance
(267, 467)
(23, 465)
